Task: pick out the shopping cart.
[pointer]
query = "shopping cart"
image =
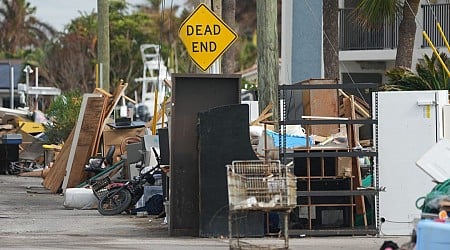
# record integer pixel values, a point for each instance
(259, 185)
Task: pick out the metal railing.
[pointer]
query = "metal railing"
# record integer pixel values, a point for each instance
(355, 37)
(432, 14)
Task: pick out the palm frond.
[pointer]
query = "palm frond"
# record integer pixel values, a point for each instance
(372, 14)
(430, 76)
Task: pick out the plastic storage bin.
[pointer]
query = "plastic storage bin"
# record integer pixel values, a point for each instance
(11, 139)
(433, 235)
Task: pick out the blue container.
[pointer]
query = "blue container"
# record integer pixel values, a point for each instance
(432, 235)
(292, 141)
(11, 139)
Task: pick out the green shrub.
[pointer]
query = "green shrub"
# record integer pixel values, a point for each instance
(62, 115)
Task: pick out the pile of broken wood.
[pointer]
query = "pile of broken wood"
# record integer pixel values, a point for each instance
(84, 140)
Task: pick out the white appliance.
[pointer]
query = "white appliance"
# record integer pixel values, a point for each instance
(435, 162)
(409, 124)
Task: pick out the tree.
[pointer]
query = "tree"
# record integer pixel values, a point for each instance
(128, 33)
(20, 29)
(166, 24)
(267, 55)
(372, 14)
(69, 62)
(331, 39)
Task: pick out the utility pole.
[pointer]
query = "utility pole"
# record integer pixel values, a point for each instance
(103, 41)
(267, 40)
(229, 15)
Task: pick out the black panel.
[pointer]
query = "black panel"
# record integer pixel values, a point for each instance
(164, 154)
(223, 138)
(192, 94)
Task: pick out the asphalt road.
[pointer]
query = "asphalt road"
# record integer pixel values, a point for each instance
(33, 218)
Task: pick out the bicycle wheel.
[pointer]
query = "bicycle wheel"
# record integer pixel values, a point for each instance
(114, 202)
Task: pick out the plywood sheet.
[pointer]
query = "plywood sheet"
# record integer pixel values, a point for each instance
(86, 131)
(55, 176)
(321, 102)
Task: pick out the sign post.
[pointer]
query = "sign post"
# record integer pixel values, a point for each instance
(205, 36)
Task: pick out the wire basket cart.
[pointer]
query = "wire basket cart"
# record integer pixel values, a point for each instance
(260, 185)
(99, 187)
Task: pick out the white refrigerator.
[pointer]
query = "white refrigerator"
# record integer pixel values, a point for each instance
(409, 123)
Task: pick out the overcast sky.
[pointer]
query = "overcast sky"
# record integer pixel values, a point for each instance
(60, 12)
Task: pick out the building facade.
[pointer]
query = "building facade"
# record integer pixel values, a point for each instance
(366, 55)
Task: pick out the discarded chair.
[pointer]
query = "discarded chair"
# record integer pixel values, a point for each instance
(98, 164)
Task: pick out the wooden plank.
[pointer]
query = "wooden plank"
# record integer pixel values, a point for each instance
(85, 131)
(352, 137)
(95, 123)
(55, 176)
(129, 99)
(96, 140)
(359, 108)
(102, 91)
(111, 103)
(118, 92)
(264, 115)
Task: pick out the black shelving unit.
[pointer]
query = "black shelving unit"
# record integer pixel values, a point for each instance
(320, 190)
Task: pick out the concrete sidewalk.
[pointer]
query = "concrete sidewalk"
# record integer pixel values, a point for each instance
(32, 218)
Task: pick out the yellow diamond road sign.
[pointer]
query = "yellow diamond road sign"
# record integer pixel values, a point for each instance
(205, 36)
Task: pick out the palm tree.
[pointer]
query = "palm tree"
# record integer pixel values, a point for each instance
(372, 14)
(331, 39)
(19, 28)
(166, 25)
(430, 76)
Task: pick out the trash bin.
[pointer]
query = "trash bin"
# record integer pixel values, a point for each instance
(9, 150)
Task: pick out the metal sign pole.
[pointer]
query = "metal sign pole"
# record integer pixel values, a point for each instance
(11, 76)
(215, 67)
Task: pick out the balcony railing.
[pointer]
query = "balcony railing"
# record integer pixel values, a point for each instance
(436, 13)
(355, 37)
